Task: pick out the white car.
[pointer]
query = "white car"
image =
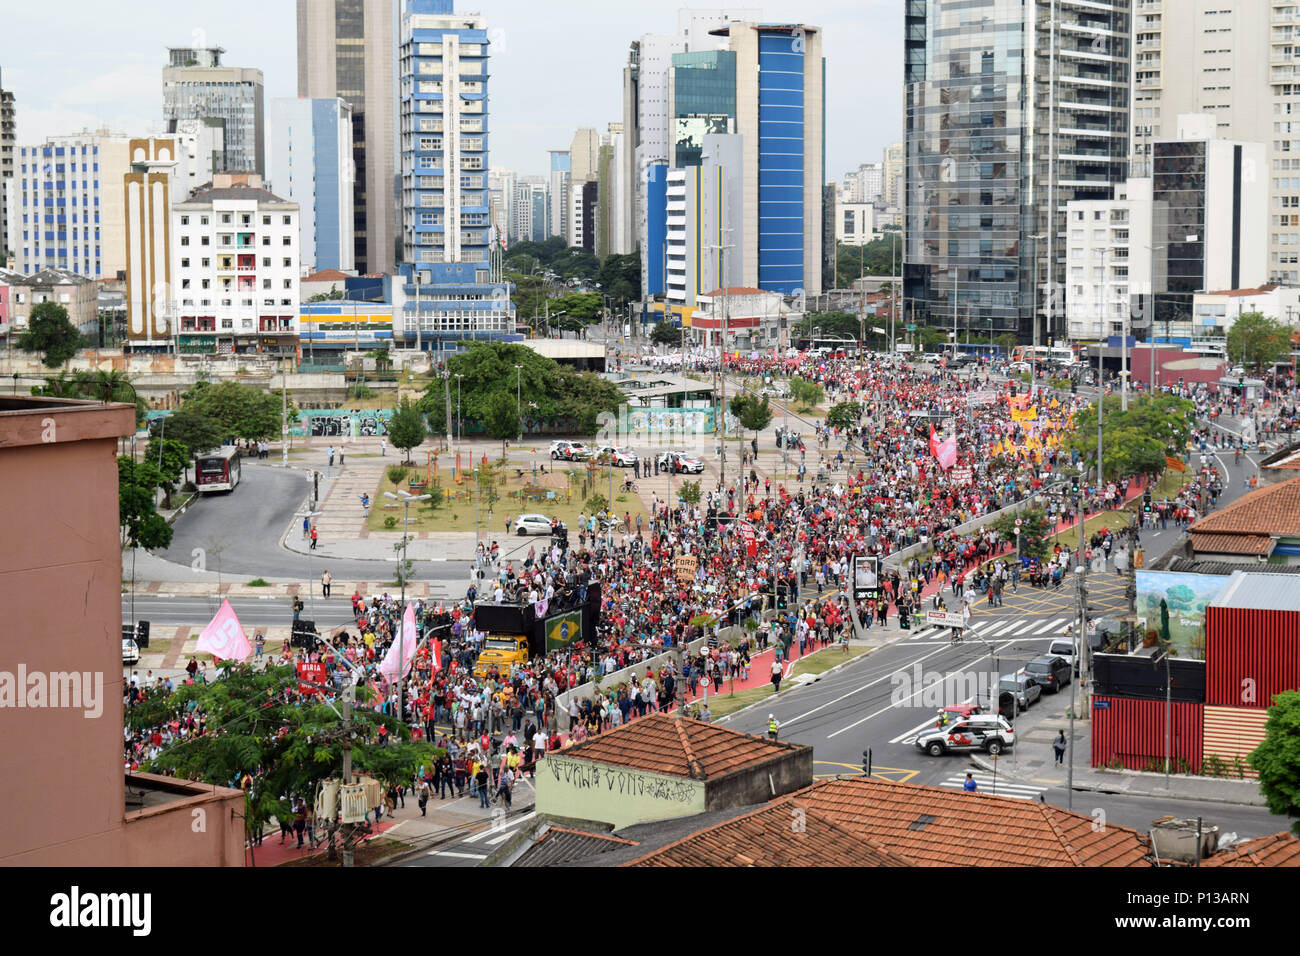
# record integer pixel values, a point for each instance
(569, 450)
(620, 457)
(130, 651)
(681, 463)
(532, 524)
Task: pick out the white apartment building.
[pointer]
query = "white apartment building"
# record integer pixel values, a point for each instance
(501, 198)
(236, 268)
(1239, 62)
(892, 175)
(864, 184)
(1108, 260)
(855, 223)
(65, 205)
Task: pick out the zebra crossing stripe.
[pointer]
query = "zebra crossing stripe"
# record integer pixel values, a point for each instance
(1019, 791)
(998, 628)
(1049, 628)
(1020, 630)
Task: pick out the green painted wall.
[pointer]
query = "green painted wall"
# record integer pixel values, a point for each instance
(585, 790)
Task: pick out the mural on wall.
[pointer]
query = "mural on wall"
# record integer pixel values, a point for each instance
(1186, 596)
(342, 424)
(667, 421)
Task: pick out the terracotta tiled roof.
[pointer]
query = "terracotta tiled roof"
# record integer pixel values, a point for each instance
(779, 834)
(1231, 543)
(679, 747)
(1261, 289)
(1280, 849)
(1289, 463)
(326, 275)
(936, 826)
(1271, 510)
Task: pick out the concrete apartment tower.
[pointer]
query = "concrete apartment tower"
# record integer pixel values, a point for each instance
(347, 49)
(7, 140)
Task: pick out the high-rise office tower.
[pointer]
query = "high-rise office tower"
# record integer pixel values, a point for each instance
(80, 176)
(648, 122)
(197, 86)
(1013, 108)
(558, 195)
(1237, 62)
(501, 199)
(610, 231)
(780, 113)
(346, 48)
(7, 139)
(310, 162)
(892, 175)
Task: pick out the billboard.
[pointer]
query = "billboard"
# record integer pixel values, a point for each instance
(563, 629)
(866, 577)
(1186, 597)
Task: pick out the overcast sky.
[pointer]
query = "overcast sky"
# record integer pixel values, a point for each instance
(557, 65)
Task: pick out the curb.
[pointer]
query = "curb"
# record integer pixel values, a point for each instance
(983, 764)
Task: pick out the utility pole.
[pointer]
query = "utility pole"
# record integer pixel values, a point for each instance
(721, 248)
(446, 391)
(419, 335)
(284, 414)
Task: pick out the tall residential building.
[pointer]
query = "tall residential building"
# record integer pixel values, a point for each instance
(613, 234)
(501, 198)
(65, 205)
(444, 121)
(236, 269)
(1239, 63)
(310, 163)
(200, 154)
(701, 217)
(584, 164)
(647, 107)
(529, 219)
(780, 113)
(864, 184)
(558, 194)
(346, 48)
(7, 140)
(1010, 113)
(197, 86)
(892, 175)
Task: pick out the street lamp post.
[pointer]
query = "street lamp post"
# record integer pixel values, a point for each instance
(1033, 355)
(460, 428)
(311, 591)
(519, 373)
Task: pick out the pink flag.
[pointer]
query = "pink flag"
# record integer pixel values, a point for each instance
(224, 638)
(435, 655)
(391, 667)
(946, 452)
(539, 609)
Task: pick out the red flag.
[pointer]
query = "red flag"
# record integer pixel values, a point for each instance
(436, 655)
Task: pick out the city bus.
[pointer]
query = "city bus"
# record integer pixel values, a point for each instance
(217, 470)
(1044, 353)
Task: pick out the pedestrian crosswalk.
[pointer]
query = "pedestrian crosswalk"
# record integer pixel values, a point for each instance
(1020, 627)
(1002, 786)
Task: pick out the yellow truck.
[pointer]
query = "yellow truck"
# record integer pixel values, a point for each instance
(501, 651)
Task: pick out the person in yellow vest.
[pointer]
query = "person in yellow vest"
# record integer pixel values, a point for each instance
(773, 726)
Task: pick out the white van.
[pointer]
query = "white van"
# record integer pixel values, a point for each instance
(1066, 648)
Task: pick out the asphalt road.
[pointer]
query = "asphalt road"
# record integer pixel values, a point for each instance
(253, 612)
(240, 533)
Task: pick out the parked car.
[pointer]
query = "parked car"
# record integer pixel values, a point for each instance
(130, 651)
(1024, 687)
(1067, 650)
(988, 732)
(619, 457)
(679, 462)
(1049, 672)
(532, 524)
(569, 450)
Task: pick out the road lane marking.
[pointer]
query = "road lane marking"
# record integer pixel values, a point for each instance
(458, 856)
(1001, 787)
(1048, 628)
(505, 826)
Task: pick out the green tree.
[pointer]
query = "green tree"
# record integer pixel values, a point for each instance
(101, 385)
(754, 414)
(407, 427)
(288, 748)
(689, 493)
(237, 411)
(1258, 341)
(550, 392)
(805, 392)
(502, 418)
(873, 259)
(171, 458)
(196, 432)
(620, 278)
(1007, 341)
(138, 516)
(51, 333)
(665, 333)
(1133, 442)
(583, 308)
(1277, 758)
(1033, 531)
(844, 415)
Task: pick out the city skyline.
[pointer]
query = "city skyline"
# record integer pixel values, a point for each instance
(117, 83)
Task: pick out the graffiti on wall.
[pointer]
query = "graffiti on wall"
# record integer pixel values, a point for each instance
(629, 784)
(342, 424)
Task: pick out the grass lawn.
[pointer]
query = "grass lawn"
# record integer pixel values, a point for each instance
(817, 662)
(1106, 519)
(821, 661)
(457, 514)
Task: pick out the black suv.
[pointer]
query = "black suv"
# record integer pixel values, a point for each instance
(1052, 673)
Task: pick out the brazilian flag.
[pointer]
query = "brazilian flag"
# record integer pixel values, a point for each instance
(563, 629)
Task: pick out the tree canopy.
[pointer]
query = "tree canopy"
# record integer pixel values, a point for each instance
(98, 386)
(1258, 341)
(196, 432)
(237, 411)
(407, 428)
(50, 332)
(844, 415)
(754, 413)
(502, 418)
(142, 526)
(665, 333)
(550, 392)
(1134, 442)
(1277, 758)
(873, 259)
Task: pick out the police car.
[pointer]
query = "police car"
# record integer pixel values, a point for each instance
(991, 733)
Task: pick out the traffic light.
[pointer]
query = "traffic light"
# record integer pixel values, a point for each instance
(142, 634)
(866, 762)
(1146, 502)
(1074, 485)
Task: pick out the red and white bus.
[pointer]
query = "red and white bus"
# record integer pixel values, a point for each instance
(217, 470)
